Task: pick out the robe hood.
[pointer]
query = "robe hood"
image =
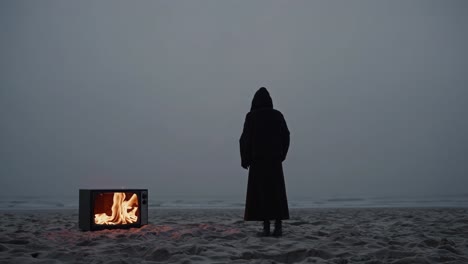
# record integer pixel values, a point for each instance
(261, 99)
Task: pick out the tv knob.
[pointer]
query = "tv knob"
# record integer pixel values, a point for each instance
(144, 195)
(143, 202)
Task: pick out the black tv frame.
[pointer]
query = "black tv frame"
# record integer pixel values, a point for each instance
(86, 209)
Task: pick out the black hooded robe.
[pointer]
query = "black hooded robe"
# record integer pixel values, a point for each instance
(264, 145)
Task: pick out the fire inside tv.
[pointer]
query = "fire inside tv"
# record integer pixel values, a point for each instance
(116, 208)
(104, 209)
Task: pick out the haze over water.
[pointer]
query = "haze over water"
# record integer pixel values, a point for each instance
(236, 202)
(153, 94)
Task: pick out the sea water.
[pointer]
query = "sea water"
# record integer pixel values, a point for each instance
(203, 202)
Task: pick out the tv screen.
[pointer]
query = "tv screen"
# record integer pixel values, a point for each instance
(116, 208)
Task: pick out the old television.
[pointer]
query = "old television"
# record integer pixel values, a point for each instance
(112, 208)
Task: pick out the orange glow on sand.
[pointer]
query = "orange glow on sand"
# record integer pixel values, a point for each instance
(123, 212)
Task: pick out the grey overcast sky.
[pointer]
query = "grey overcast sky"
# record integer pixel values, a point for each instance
(153, 94)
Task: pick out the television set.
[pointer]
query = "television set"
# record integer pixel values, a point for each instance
(112, 208)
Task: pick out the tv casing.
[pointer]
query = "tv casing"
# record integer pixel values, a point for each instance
(86, 209)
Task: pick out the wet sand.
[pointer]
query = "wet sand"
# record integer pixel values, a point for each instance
(371, 235)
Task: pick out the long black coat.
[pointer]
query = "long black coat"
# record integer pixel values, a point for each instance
(264, 145)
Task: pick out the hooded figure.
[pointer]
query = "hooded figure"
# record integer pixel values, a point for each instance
(264, 144)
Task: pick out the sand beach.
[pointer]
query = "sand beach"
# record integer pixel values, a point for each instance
(360, 235)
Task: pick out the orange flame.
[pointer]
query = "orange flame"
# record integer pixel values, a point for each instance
(123, 212)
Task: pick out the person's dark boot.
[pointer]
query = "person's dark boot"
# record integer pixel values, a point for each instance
(266, 229)
(278, 229)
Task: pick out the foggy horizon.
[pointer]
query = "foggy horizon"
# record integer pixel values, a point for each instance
(153, 95)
